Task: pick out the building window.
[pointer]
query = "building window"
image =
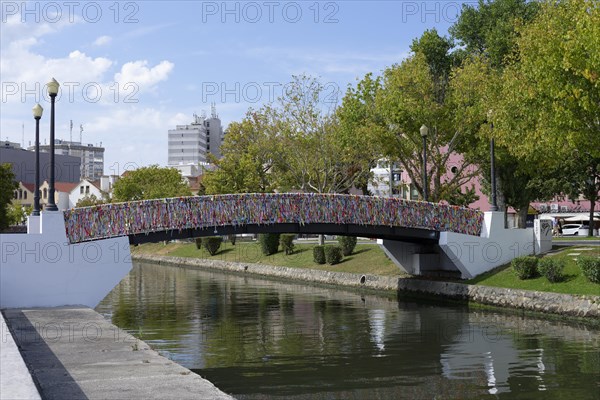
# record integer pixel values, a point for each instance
(80, 189)
(16, 195)
(207, 124)
(208, 147)
(25, 195)
(87, 189)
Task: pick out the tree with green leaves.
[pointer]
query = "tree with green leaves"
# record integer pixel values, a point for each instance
(396, 105)
(7, 187)
(316, 153)
(91, 200)
(550, 102)
(487, 37)
(152, 182)
(17, 214)
(247, 157)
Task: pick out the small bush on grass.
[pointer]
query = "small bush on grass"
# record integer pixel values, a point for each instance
(212, 244)
(232, 238)
(590, 267)
(319, 254)
(525, 267)
(269, 243)
(287, 243)
(198, 243)
(552, 269)
(348, 243)
(333, 254)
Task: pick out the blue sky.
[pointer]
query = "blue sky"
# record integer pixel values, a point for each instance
(132, 70)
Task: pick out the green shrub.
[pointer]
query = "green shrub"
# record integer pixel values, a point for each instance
(552, 269)
(212, 244)
(525, 267)
(232, 238)
(269, 243)
(590, 266)
(287, 243)
(333, 254)
(198, 243)
(348, 243)
(319, 254)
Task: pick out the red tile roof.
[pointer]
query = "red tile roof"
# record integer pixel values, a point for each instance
(65, 187)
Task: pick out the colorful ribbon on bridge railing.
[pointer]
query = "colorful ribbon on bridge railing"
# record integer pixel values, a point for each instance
(118, 219)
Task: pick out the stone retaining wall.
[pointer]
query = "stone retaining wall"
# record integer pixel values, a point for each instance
(547, 302)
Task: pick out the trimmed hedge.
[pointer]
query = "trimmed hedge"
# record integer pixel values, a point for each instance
(525, 267)
(287, 243)
(333, 254)
(590, 267)
(348, 243)
(232, 238)
(319, 254)
(269, 243)
(212, 244)
(552, 269)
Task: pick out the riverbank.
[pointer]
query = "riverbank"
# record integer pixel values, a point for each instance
(526, 300)
(74, 353)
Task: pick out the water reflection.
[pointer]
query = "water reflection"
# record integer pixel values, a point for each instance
(255, 339)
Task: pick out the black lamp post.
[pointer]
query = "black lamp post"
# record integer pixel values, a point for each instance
(424, 131)
(52, 91)
(494, 206)
(37, 114)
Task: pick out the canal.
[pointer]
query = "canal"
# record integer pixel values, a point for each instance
(258, 339)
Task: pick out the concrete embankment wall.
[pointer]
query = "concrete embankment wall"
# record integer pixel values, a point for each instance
(556, 303)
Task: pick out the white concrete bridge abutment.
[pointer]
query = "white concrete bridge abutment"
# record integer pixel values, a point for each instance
(471, 255)
(41, 268)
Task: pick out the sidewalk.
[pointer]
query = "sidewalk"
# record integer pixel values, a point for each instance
(74, 353)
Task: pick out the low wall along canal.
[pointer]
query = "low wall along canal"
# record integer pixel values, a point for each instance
(547, 302)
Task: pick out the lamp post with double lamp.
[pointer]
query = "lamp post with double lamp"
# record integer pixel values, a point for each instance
(494, 206)
(424, 131)
(37, 114)
(52, 91)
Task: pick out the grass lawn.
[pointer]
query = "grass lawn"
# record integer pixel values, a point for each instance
(567, 238)
(575, 282)
(366, 259)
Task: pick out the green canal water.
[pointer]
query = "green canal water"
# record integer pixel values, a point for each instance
(261, 339)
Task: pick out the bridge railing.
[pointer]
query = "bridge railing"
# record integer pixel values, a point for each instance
(144, 216)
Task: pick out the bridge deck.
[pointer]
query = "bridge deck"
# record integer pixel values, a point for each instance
(390, 218)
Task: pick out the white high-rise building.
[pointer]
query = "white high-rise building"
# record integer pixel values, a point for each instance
(189, 145)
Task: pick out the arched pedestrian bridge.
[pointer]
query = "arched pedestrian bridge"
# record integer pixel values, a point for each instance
(172, 218)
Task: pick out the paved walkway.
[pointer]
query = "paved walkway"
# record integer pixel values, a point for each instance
(15, 380)
(74, 353)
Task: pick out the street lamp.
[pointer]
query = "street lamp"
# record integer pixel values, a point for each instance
(52, 91)
(37, 114)
(494, 206)
(424, 131)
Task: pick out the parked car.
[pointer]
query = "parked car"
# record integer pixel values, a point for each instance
(571, 229)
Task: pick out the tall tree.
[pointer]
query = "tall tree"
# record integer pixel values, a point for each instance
(415, 93)
(316, 153)
(487, 37)
(7, 187)
(152, 182)
(550, 103)
(247, 162)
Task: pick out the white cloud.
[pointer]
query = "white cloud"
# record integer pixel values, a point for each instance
(102, 40)
(145, 78)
